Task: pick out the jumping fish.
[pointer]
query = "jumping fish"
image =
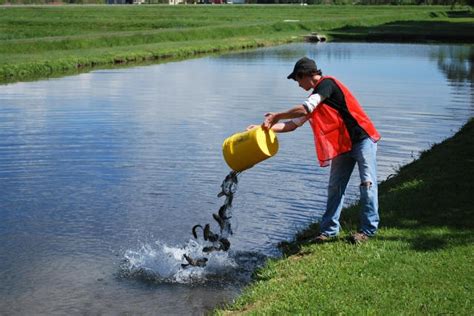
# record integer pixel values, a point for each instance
(222, 212)
(220, 243)
(225, 244)
(228, 200)
(209, 235)
(194, 230)
(219, 220)
(227, 185)
(200, 262)
(209, 249)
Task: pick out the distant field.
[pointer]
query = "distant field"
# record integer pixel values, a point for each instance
(40, 41)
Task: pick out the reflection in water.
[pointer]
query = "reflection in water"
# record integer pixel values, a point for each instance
(457, 63)
(292, 53)
(104, 173)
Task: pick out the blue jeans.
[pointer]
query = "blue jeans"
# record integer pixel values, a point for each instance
(364, 154)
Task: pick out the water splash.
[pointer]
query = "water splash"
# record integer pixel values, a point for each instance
(205, 259)
(161, 263)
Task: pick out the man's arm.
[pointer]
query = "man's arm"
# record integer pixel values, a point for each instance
(284, 127)
(273, 117)
(297, 111)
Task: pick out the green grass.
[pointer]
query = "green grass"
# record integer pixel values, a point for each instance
(42, 41)
(421, 262)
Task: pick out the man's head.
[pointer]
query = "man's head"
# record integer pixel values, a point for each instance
(305, 72)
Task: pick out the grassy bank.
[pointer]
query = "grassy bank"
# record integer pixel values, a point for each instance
(421, 262)
(39, 42)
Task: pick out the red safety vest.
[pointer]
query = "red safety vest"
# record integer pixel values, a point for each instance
(330, 133)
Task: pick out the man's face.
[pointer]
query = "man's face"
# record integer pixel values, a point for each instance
(305, 82)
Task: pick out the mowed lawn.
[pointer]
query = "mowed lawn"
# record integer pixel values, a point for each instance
(39, 41)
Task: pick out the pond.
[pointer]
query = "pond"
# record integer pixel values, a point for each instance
(103, 174)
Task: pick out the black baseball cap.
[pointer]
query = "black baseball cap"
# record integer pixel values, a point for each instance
(303, 66)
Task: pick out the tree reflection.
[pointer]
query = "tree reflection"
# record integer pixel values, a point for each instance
(456, 62)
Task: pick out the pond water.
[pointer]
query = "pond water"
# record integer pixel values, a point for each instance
(103, 174)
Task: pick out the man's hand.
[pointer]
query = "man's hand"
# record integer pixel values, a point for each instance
(271, 119)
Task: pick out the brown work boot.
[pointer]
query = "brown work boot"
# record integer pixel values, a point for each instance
(358, 238)
(320, 239)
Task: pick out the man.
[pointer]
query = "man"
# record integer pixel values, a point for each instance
(344, 135)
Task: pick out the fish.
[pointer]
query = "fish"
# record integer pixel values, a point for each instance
(222, 212)
(219, 220)
(209, 235)
(228, 228)
(209, 249)
(225, 244)
(194, 230)
(227, 186)
(220, 243)
(228, 200)
(234, 178)
(200, 262)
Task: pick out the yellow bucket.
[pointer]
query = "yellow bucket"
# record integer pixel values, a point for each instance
(243, 150)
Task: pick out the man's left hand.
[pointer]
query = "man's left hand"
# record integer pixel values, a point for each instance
(271, 119)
